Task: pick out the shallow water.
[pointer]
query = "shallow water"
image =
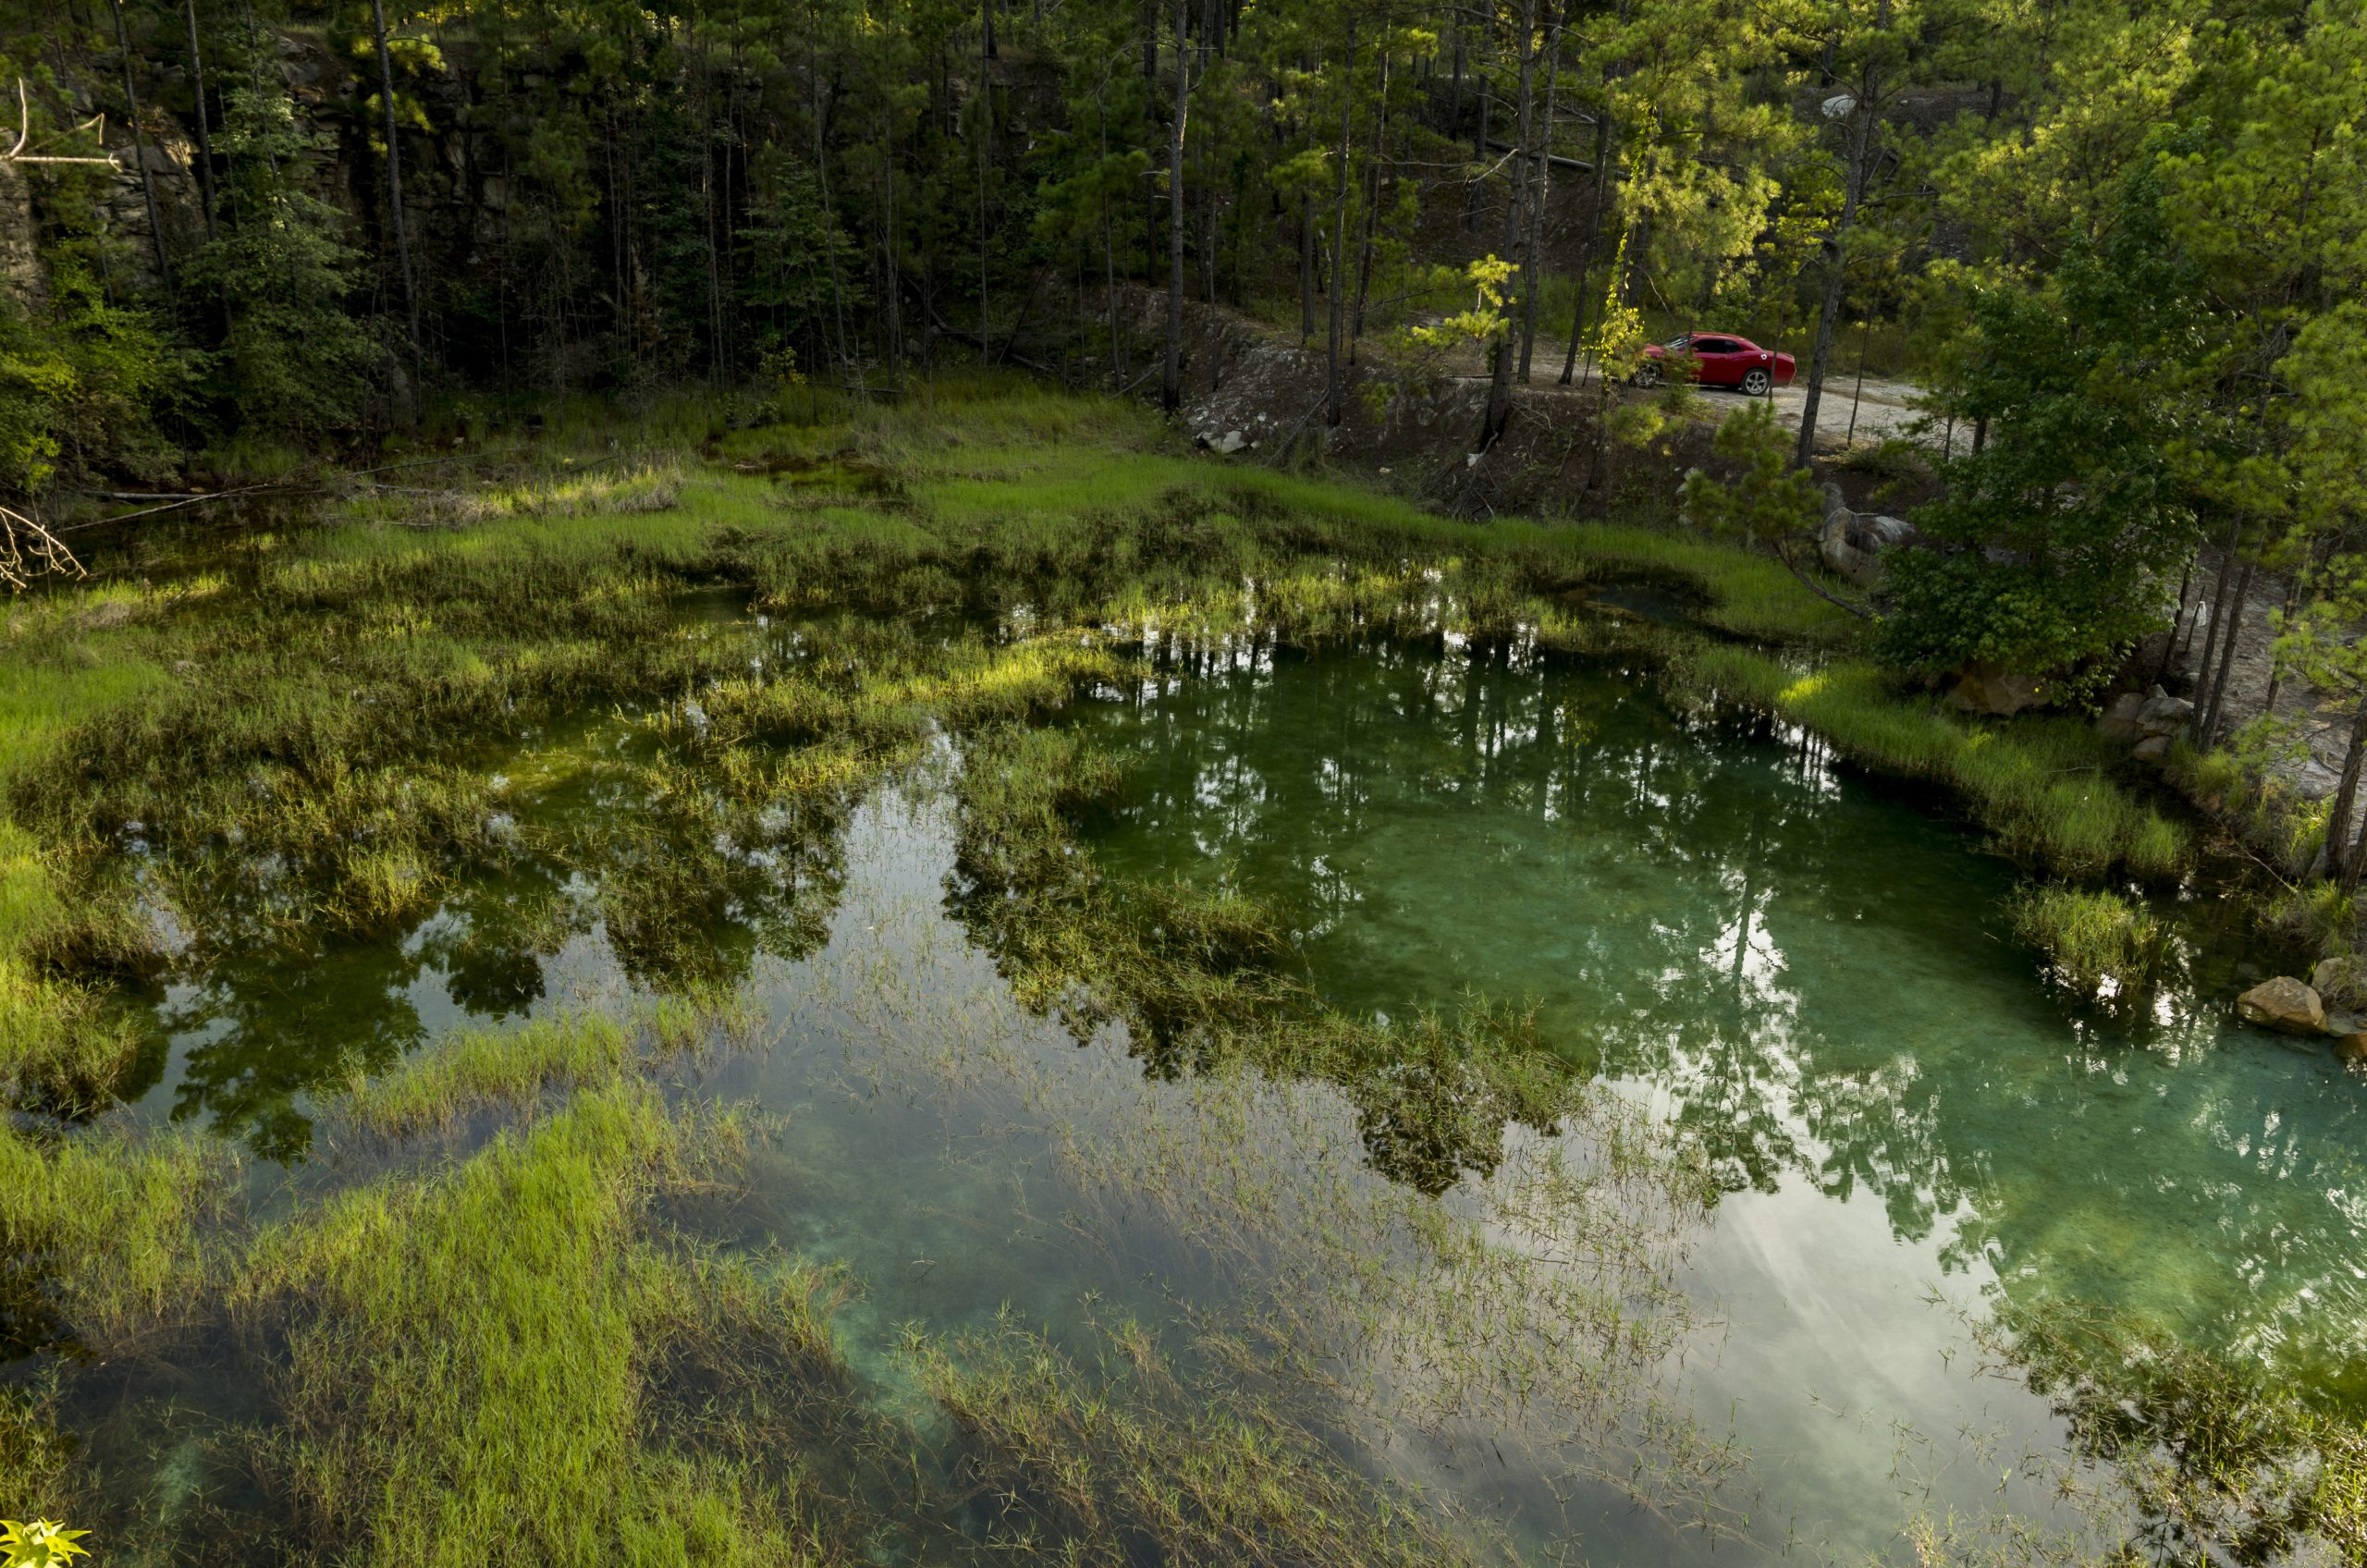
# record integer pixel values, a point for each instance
(1805, 972)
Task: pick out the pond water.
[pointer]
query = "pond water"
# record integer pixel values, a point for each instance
(1805, 974)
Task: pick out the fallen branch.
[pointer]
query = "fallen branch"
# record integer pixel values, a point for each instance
(1860, 611)
(16, 153)
(29, 551)
(175, 506)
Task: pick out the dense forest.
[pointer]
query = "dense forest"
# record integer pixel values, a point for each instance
(830, 781)
(2132, 234)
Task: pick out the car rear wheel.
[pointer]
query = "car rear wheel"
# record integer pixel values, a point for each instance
(1756, 381)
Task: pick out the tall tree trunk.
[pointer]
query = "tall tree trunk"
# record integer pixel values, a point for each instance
(2218, 603)
(395, 170)
(2340, 859)
(1530, 270)
(1306, 270)
(205, 129)
(1334, 408)
(1109, 257)
(1454, 97)
(1836, 259)
(2208, 732)
(986, 164)
(830, 231)
(1171, 397)
(1499, 386)
(1372, 212)
(1593, 238)
(140, 151)
(895, 279)
(1478, 151)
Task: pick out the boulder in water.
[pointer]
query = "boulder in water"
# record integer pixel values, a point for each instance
(2283, 1004)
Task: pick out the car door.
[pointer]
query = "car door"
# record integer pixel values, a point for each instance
(1720, 360)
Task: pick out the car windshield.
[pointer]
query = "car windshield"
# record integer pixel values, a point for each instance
(1678, 342)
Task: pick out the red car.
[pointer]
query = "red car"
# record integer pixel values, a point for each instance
(1719, 358)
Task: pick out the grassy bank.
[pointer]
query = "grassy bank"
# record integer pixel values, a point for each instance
(325, 706)
(490, 1328)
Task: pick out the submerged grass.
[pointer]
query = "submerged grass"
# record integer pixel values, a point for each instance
(475, 1069)
(2097, 939)
(468, 1360)
(1118, 1464)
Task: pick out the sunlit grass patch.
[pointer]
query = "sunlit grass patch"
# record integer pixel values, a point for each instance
(2096, 940)
(470, 1358)
(510, 1067)
(2043, 784)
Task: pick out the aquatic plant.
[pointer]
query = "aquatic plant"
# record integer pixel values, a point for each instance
(1103, 1466)
(2095, 937)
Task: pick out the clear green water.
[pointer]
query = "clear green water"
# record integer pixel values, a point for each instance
(1803, 972)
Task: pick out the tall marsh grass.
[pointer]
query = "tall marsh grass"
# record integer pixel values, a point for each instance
(2043, 784)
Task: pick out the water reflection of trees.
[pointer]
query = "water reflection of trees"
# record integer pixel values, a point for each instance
(1808, 971)
(681, 889)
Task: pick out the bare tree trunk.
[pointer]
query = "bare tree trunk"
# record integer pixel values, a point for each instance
(205, 130)
(1333, 406)
(1372, 212)
(2218, 611)
(895, 279)
(1171, 397)
(1593, 238)
(140, 151)
(2340, 859)
(1306, 270)
(2276, 665)
(1530, 270)
(2208, 732)
(985, 164)
(1109, 260)
(1499, 386)
(1479, 152)
(395, 170)
(830, 230)
(1836, 259)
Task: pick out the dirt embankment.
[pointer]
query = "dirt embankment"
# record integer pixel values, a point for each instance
(1252, 389)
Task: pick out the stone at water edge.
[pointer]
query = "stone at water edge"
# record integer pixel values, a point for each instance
(2283, 1003)
(2340, 979)
(2119, 721)
(2352, 1048)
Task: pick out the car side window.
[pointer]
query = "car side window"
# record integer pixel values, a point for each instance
(1712, 345)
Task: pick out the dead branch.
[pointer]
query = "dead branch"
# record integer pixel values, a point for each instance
(29, 551)
(16, 154)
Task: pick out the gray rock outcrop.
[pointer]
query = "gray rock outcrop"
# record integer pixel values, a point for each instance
(1851, 543)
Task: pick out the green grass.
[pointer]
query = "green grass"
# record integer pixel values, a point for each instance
(469, 1359)
(2097, 939)
(2042, 783)
(475, 1069)
(328, 706)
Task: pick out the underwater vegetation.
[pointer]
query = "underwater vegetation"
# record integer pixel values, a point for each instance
(457, 1281)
